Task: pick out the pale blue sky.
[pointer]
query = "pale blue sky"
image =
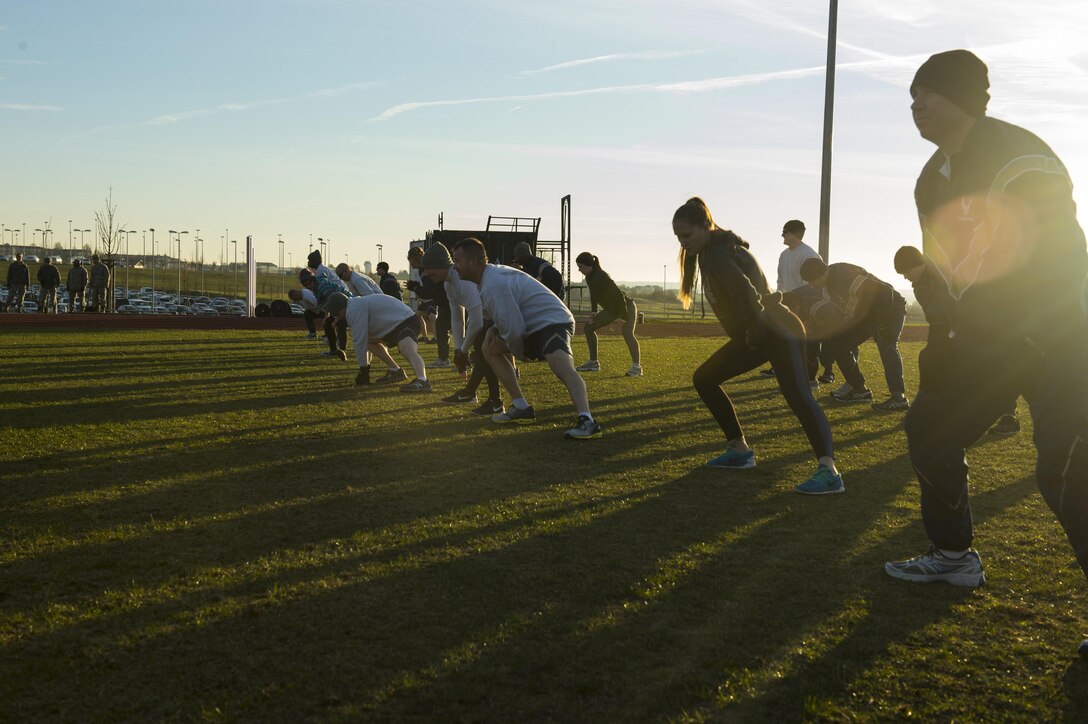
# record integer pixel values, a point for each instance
(361, 121)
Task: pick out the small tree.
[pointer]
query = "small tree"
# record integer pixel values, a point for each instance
(109, 234)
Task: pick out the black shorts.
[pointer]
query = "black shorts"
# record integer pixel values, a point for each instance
(553, 338)
(408, 329)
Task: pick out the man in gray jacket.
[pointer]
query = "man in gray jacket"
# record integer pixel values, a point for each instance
(17, 282)
(100, 281)
(76, 286)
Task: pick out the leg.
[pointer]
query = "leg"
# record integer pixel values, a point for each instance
(886, 335)
(733, 359)
(442, 332)
(380, 351)
(498, 357)
(309, 318)
(481, 370)
(842, 346)
(562, 366)
(590, 330)
(330, 332)
(788, 359)
(629, 332)
(410, 350)
(342, 334)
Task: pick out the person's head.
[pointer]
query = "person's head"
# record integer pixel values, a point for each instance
(307, 279)
(343, 271)
(294, 295)
(48, 260)
(19, 256)
(314, 259)
(910, 263)
(814, 272)
(436, 262)
(94, 258)
(77, 262)
(382, 267)
(793, 231)
(335, 305)
(522, 252)
(587, 263)
(949, 93)
(694, 227)
(470, 258)
(414, 255)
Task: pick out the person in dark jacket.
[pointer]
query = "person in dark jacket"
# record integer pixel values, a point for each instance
(49, 279)
(17, 282)
(76, 286)
(336, 330)
(871, 309)
(999, 223)
(100, 281)
(387, 281)
(760, 329)
(538, 268)
(614, 305)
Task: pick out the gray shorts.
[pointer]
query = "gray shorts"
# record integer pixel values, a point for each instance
(554, 338)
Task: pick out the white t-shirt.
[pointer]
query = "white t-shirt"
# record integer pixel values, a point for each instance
(789, 266)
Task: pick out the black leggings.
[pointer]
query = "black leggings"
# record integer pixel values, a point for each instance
(788, 359)
(605, 318)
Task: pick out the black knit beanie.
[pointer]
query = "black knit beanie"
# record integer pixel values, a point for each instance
(314, 259)
(959, 76)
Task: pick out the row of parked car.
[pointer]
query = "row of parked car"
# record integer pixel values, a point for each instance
(148, 301)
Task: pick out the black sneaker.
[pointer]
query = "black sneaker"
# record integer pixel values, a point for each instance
(1006, 426)
(416, 385)
(489, 408)
(862, 395)
(892, 404)
(398, 375)
(459, 397)
(827, 377)
(769, 372)
(584, 429)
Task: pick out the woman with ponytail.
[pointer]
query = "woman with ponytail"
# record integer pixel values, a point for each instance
(760, 329)
(614, 305)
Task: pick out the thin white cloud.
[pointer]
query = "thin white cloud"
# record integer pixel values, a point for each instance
(29, 107)
(612, 57)
(22, 62)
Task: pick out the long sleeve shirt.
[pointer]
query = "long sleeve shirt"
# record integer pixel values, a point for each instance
(466, 310)
(519, 305)
(77, 278)
(858, 293)
(789, 266)
(604, 292)
(361, 285)
(733, 283)
(309, 301)
(373, 317)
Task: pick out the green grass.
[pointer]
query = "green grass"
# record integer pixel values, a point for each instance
(216, 525)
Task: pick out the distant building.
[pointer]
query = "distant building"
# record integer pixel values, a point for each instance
(366, 268)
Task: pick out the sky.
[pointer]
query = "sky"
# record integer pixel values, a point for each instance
(360, 121)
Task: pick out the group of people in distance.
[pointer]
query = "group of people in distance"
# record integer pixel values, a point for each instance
(1001, 279)
(78, 283)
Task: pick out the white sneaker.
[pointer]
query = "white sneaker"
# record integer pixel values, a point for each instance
(933, 566)
(589, 366)
(635, 371)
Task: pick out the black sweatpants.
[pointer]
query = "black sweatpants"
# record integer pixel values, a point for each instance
(442, 331)
(964, 388)
(787, 356)
(481, 370)
(336, 333)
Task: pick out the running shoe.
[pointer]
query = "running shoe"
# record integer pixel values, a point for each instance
(845, 388)
(589, 366)
(769, 372)
(583, 429)
(733, 459)
(311, 335)
(822, 482)
(397, 375)
(827, 377)
(891, 404)
(416, 385)
(934, 566)
(862, 395)
(517, 415)
(489, 408)
(438, 363)
(814, 385)
(459, 397)
(635, 371)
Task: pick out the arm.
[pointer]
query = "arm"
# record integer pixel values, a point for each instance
(508, 320)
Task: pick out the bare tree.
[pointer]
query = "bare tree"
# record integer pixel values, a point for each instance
(109, 233)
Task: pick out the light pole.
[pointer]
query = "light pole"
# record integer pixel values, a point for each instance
(70, 254)
(203, 289)
(379, 252)
(235, 242)
(128, 262)
(664, 283)
(152, 270)
(179, 233)
(280, 239)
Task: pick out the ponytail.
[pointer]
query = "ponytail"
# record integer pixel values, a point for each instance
(694, 212)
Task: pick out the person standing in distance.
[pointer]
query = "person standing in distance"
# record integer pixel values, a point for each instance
(999, 223)
(76, 286)
(17, 281)
(614, 305)
(760, 329)
(789, 278)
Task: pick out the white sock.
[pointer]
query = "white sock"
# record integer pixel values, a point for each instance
(520, 403)
(952, 554)
(586, 414)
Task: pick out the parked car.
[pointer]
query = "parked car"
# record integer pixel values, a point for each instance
(31, 259)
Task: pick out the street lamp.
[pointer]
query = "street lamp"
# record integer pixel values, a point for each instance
(179, 233)
(280, 239)
(379, 252)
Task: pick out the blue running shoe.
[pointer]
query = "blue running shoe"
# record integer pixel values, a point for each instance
(733, 459)
(822, 482)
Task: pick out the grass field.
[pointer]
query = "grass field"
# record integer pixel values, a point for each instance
(217, 526)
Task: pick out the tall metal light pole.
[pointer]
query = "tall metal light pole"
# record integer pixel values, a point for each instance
(829, 115)
(152, 269)
(70, 254)
(379, 252)
(203, 289)
(280, 240)
(179, 233)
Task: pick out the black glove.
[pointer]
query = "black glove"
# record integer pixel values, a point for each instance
(363, 378)
(412, 285)
(460, 360)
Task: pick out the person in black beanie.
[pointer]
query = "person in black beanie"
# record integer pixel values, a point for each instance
(999, 224)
